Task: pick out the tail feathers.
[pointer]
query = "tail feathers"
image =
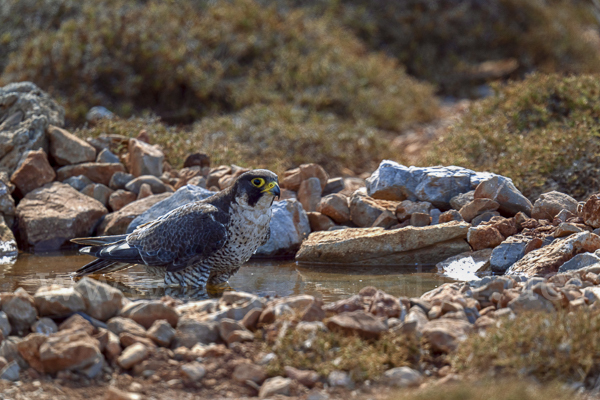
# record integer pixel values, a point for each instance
(99, 240)
(100, 266)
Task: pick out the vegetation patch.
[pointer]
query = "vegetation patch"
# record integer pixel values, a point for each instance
(459, 44)
(326, 351)
(561, 346)
(542, 132)
(186, 60)
(278, 137)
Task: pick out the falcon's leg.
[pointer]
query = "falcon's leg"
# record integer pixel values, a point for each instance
(221, 277)
(194, 276)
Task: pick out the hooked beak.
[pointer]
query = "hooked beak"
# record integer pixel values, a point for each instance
(273, 188)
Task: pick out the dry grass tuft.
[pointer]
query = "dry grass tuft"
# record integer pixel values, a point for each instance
(563, 347)
(485, 388)
(362, 359)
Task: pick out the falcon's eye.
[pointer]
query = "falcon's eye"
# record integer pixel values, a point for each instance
(258, 182)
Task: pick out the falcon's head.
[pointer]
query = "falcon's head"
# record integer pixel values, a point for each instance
(258, 187)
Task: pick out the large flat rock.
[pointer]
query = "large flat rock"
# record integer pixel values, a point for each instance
(377, 246)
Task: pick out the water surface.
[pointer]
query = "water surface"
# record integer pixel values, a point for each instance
(262, 277)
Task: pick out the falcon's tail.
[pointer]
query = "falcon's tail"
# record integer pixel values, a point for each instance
(99, 240)
(100, 266)
(113, 252)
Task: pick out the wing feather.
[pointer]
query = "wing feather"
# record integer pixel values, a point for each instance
(181, 237)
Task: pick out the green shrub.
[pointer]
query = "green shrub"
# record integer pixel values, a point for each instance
(445, 41)
(19, 20)
(561, 346)
(542, 132)
(184, 61)
(277, 137)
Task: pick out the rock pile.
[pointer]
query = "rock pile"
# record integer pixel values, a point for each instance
(477, 211)
(55, 186)
(91, 331)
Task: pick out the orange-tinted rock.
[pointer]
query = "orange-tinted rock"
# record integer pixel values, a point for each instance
(335, 206)
(144, 159)
(319, 222)
(308, 171)
(144, 191)
(97, 172)
(291, 179)
(591, 211)
(120, 198)
(51, 215)
(372, 246)
(450, 215)
(309, 194)
(357, 322)
(548, 205)
(145, 312)
(477, 207)
(69, 351)
(484, 236)
(67, 149)
(33, 172)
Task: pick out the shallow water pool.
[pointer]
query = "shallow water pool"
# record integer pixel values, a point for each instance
(262, 277)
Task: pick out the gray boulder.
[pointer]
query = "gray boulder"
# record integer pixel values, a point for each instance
(437, 185)
(106, 156)
(78, 182)
(507, 253)
(503, 191)
(7, 203)
(119, 180)
(25, 113)
(550, 204)
(580, 261)
(461, 200)
(289, 227)
(183, 195)
(156, 185)
(98, 113)
(8, 244)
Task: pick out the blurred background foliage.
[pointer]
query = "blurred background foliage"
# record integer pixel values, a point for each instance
(276, 84)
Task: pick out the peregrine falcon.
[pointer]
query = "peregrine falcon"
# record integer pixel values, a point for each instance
(198, 243)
